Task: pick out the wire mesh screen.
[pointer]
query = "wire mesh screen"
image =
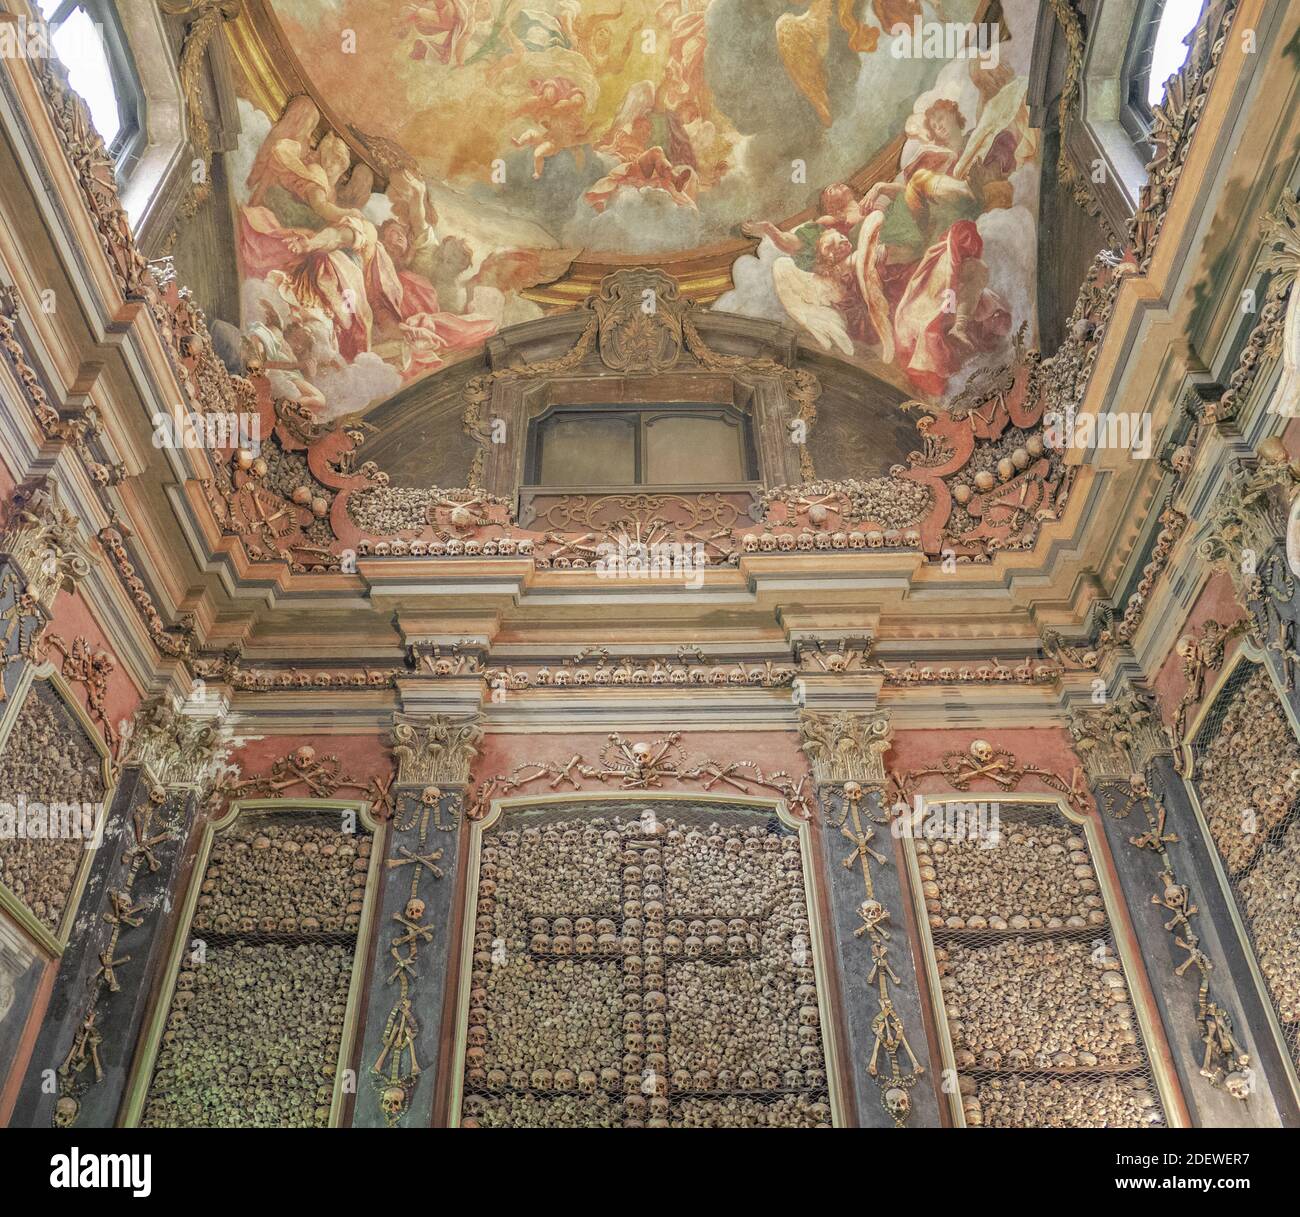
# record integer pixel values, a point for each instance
(1247, 778)
(1038, 1009)
(643, 964)
(258, 1008)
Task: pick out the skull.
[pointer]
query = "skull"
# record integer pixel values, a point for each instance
(981, 750)
(852, 791)
(1237, 1084)
(897, 1102)
(66, 1111)
(414, 909)
(393, 1101)
(430, 795)
(304, 756)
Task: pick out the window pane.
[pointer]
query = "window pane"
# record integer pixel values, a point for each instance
(78, 44)
(692, 450)
(594, 450)
(1177, 20)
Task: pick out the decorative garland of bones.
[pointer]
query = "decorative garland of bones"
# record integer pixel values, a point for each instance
(1225, 1064)
(396, 1069)
(887, 1025)
(152, 823)
(641, 766)
(983, 762)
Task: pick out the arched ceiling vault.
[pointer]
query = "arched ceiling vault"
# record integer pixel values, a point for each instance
(412, 178)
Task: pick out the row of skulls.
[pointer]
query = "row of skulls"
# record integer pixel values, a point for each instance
(1037, 1102)
(1024, 877)
(284, 878)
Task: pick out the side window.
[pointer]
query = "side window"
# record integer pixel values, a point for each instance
(88, 39)
(1157, 50)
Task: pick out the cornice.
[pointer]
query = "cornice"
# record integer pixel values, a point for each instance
(195, 569)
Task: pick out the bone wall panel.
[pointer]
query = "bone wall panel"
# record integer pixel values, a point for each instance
(256, 1018)
(1032, 995)
(1247, 779)
(642, 966)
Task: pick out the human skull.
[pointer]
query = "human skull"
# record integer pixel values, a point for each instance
(66, 1111)
(897, 1102)
(1237, 1084)
(981, 750)
(393, 1101)
(852, 791)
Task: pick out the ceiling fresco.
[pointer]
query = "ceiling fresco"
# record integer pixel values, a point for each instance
(502, 141)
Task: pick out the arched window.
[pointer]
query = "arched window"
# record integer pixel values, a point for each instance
(87, 37)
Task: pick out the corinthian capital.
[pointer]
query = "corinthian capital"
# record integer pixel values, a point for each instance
(845, 746)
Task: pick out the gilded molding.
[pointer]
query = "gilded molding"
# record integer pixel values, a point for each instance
(1175, 122)
(207, 19)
